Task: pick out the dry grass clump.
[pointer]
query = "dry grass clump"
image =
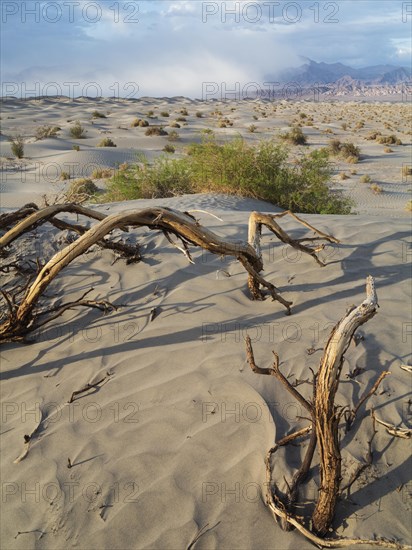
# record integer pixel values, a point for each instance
(388, 150)
(81, 190)
(64, 176)
(365, 178)
(17, 146)
(101, 173)
(348, 150)
(107, 142)
(343, 176)
(77, 131)
(173, 136)
(295, 136)
(377, 189)
(169, 148)
(98, 114)
(252, 128)
(139, 122)
(156, 131)
(174, 124)
(43, 132)
(389, 140)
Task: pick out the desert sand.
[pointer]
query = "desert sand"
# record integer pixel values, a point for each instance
(174, 440)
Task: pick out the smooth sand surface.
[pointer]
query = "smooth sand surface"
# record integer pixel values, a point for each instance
(174, 440)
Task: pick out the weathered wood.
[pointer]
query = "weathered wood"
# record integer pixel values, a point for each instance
(327, 416)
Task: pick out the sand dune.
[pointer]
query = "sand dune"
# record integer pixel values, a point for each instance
(176, 437)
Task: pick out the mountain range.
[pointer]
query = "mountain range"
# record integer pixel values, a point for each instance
(312, 72)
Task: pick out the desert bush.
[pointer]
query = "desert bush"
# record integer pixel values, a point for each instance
(372, 136)
(199, 114)
(81, 190)
(295, 136)
(184, 112)
(365, 178)
(406, 171)
(260, 171)
(180, 119)
(408, 206)
(174, 124)
(64, 176)
(150, 113)
(101, 173)
(77, 131)
(98, 114)
(359, 125)
(347, 150)
(75, 148)
(164, 114)
(43, 132)
(17, 146)
(107, 142)
(389, 140)
(138, 122)
(344, 126)
(252, 128)
(155, 131)
(343, 176)
(173, 136)
(169, 148)
(377, 189)
(387, 150)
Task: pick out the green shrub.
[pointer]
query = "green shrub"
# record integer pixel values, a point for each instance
(17, 146)
(295, 136)
(155, 131)
(260, 171)
(43, 132)
(107, 142)
(81, 190)
(77, 131)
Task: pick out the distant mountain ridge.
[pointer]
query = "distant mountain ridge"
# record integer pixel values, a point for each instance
(312, 72)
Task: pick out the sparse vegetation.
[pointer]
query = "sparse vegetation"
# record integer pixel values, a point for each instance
(107, 142)
(388, 140)
(17, 146)
(377, 189)
(102, 173)
(43, 132)
(365, 178)
(98, 114)
(164, 114)
(168, 148)
(252, 128)
(138, 122)
(260, 171)
(199, 114)
(347, 150)
(295, 136)
(76, 147)
(155, 131)
(64, 176)
(77, 131)
(81, 190)
(173, 136)
(406, 171)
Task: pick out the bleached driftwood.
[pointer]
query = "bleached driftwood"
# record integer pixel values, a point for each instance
(324, 431)
(22, 318)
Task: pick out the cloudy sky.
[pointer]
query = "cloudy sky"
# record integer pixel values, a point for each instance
(164, 48)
